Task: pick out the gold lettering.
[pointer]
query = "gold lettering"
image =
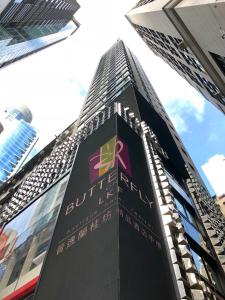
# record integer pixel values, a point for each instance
(149, 202)
(82, 201)
(101, 182)
(100, 201)
(140, 194)
(124, 178)
(133, 187)
(112, 176)
(109, 195)
(91, 190)
(69, 208)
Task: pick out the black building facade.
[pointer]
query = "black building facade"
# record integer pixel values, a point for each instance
(30, 26)
(136, 221)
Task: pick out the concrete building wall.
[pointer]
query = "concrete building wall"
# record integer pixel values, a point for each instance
(200, 25)
(221, 202)
(206, 22)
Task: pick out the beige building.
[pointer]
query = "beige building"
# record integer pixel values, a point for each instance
(189, 35)
(221, 202)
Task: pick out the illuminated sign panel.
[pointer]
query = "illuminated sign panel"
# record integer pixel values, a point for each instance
(107, 243)
(113, 152)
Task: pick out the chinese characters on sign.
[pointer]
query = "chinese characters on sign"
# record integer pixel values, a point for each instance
(130, 218)
(108, 222)
(82, 232)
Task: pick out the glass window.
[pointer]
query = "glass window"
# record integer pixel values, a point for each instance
(193, 232)
(205, 269)
(185, 212)
(199, 264)
(180, 207)
(212, 276)
(24, 241)
(174, 183)
(220, 60)
(191, 225)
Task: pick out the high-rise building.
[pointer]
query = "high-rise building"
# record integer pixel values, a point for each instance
(17, 139)
(35, 193)
(189, 36)
(29, 26)
(220, 201)
(136, 221)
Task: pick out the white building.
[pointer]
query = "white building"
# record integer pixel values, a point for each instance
(190, 36)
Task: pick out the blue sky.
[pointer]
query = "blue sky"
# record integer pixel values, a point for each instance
(203, 137)
(201, 130)
(53, 82)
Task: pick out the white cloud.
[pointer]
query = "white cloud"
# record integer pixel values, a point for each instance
(49, 82)
(189, 104)
(180, 109)
(179, 123)
(44, 80)
(214, 169)
(177, 95)
(55, 102)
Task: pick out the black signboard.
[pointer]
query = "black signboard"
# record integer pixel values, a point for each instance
(107, 244)
(144, 270)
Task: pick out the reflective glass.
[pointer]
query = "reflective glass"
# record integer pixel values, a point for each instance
(192, 231)
(199, 264)
(206, 270)
(185, 211)
(24, 241)
(15, 144)
(178, 188)
(18, 42)
(213, 277)
(180, 207)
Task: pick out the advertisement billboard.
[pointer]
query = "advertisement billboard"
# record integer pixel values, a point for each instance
(107, 243)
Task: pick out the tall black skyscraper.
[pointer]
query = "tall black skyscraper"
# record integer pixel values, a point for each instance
(136, 221)
(120, 77)
(29, 26)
